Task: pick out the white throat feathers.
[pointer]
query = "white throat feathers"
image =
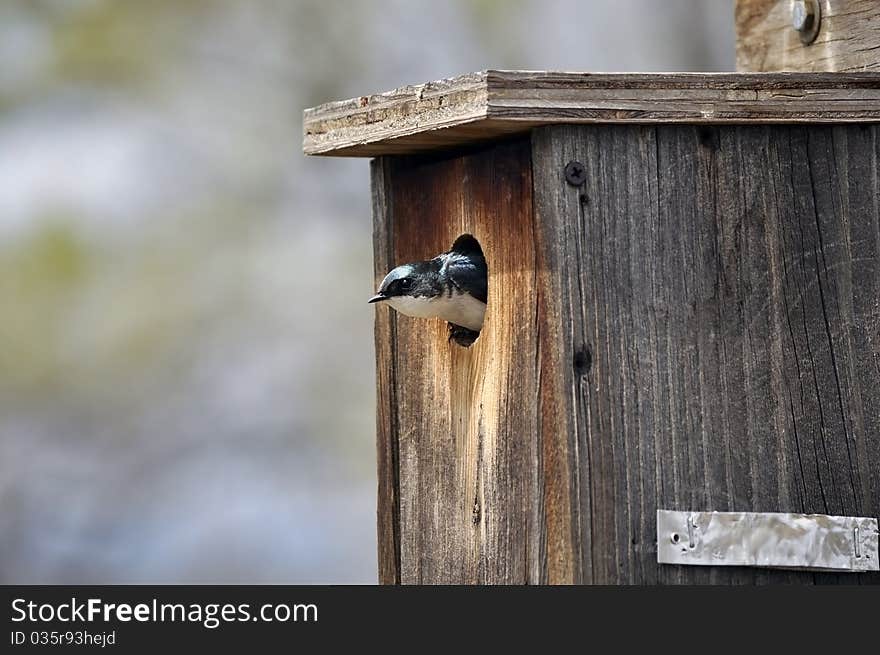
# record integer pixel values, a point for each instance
(459, 308)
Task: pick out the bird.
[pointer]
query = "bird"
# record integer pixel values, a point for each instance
(452, 286)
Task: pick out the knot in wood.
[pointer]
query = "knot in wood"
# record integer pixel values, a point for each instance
(583, 361)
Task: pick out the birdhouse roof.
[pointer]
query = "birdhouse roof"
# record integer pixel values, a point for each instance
(492, 104)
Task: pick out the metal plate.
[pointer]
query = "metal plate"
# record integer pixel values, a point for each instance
(798, 541)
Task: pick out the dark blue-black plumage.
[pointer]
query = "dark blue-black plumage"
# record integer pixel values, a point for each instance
(465, 267)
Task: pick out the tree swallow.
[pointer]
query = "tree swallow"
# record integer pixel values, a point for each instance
(453, 286)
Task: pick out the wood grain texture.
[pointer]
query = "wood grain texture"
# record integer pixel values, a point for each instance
(480, 107)
(462, 421)
(714, 337)
(403, 113)
(848, 39)
(387, 446)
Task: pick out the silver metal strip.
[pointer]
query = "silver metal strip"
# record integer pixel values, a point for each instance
(767, 539)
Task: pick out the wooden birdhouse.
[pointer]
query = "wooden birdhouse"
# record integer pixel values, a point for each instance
(683, 316)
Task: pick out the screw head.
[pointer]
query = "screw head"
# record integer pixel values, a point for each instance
(806, 17)
(801, 18)
(575, 173)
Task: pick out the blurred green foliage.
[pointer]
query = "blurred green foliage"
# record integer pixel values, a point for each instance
(39, 276)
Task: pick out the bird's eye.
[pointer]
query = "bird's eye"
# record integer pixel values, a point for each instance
(406, 283)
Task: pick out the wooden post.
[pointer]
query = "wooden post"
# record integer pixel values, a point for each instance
(848, 38)
(689, 322)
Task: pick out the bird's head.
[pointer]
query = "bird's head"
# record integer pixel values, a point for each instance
(417, 280)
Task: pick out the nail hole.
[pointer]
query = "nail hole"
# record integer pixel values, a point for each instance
(583, 361)
(707, 137)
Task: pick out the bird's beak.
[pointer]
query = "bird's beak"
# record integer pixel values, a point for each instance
(378, 297)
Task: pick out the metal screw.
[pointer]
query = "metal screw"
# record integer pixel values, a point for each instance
(806, 17)
(575, 173)
(800, 19)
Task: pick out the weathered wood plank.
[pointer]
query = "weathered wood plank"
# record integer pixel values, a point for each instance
(483, 106)
(719, 344)
(403, 113)
(848, 39)
(465, 420)
(387, 444)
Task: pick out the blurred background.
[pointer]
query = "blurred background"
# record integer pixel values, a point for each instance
(186, 354)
